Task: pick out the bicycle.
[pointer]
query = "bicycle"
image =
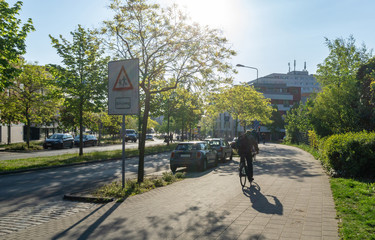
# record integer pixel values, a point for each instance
(243, 170)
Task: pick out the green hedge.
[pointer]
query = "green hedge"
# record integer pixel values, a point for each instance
(350, 154)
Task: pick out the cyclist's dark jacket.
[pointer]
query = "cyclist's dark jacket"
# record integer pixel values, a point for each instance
(246, 144)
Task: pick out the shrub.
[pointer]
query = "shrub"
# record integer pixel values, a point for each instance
(168, 177)
(180, 175)
(313, 139)
(350, 154)
(23, 146)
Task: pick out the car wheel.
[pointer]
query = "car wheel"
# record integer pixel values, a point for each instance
(203, 166)
(224, 158)
(71, 145)
(231, 156)
(216, 161)
(173, 169)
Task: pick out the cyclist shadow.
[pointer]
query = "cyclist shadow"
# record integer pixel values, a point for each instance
(261, 202)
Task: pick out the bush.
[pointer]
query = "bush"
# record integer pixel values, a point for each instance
(313, 139)
(23, 146)
(168, 177)
(350, 154)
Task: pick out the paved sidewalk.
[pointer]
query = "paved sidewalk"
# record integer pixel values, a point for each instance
(290, 199)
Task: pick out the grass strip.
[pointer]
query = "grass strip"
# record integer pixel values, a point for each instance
(60, 160)
(115, 190)
(355, 207)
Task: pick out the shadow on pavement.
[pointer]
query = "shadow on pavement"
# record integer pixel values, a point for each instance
(261, 203)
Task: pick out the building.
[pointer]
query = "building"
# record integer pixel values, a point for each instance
(287, 89)
(284, 90)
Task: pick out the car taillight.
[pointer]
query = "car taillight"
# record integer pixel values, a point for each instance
(198, 154)
(172, 155)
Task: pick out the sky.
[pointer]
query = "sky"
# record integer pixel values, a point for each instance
(266, 34)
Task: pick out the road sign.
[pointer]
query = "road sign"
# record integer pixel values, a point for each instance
(123, 87)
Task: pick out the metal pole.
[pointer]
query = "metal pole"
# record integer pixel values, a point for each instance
(123, 151)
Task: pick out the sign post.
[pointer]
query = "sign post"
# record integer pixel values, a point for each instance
(123, 95)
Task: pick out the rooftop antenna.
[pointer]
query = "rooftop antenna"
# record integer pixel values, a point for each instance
(289, 66)
(294, 66)
(305, 67)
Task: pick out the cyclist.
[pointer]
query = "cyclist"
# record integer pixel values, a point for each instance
(247, 143)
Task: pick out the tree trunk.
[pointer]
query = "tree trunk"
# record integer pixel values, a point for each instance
(141, 163)
(81, 128)
(9, 132)
(168, 127)
(27, 127)
(236, 132)
(28, 132)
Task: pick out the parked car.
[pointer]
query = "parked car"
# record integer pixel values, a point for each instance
(59, 140)
(88, 140)
(149, 137)
(224, 150)
(130, 134)
(193, 154)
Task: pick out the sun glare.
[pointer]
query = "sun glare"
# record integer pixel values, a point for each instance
(222, 14)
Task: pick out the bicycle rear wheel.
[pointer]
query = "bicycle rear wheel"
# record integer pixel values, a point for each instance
(242, 173)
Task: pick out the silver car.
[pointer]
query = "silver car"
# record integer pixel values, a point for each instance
(223, 148)
(193, 154)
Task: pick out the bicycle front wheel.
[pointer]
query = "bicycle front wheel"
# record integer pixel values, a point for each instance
(242, 173)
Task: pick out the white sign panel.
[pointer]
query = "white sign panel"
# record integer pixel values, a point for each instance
(123, 87)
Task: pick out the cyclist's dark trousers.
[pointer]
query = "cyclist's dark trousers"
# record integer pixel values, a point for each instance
(249, 162)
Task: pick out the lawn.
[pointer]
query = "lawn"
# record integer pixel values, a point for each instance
(40, 162)
(355, 207)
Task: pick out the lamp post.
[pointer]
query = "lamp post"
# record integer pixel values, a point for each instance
(240, 65)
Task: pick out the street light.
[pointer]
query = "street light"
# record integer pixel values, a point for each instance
(240, 65)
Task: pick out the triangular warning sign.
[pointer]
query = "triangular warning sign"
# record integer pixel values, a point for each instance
(122, 82)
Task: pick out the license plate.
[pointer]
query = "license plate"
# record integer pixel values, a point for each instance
(185, 155)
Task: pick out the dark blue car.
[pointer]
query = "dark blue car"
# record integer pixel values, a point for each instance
(59, 140)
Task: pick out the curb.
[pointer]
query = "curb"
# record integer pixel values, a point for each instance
(78, 197)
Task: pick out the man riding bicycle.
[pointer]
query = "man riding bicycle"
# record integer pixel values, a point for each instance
(246, 144)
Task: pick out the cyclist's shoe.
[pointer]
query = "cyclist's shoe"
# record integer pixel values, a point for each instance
(251, 179)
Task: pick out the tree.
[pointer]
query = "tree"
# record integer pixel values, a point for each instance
(84, 81)
(172, 52)
(298, 120)
(342, 63)
(9, 112)
(337, 107)
(277, 123)
(12, 41)
(36, 96)
(245, 104)
(366, 79)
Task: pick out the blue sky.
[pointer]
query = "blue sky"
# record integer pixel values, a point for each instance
(267, 34)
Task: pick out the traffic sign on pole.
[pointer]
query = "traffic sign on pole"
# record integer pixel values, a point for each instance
(123, 87)
(123, 95)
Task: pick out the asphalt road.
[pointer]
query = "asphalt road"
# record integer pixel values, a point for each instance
(29, 189)
(5, 155)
